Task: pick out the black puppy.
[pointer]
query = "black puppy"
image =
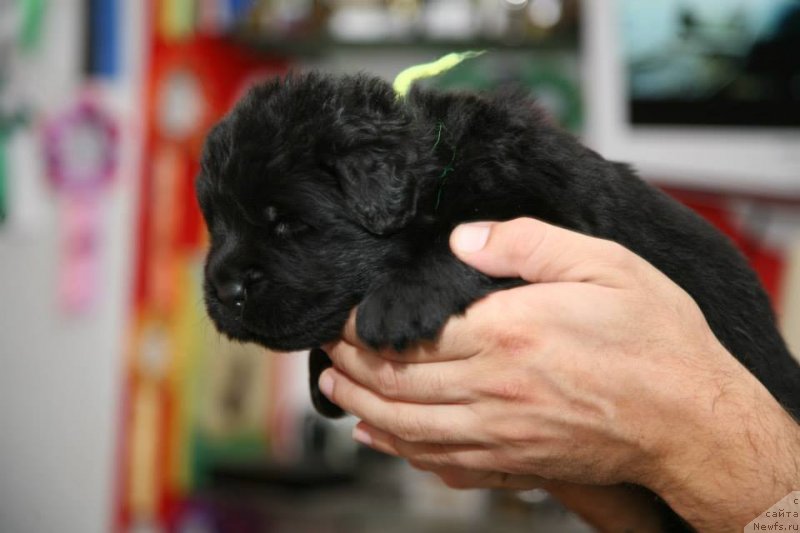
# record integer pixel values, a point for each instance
(322, 193)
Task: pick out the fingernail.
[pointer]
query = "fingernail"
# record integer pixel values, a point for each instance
(470, 238)
(326, 383)
(359, 435)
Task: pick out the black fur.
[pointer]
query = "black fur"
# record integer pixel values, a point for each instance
(362, 209)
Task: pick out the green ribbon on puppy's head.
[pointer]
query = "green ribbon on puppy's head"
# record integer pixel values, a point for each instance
(403, 83)
(404, 80)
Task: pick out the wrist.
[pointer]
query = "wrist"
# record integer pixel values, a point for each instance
(609, 507)
(735, 455)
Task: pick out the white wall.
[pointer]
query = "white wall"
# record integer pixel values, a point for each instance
(60, 374)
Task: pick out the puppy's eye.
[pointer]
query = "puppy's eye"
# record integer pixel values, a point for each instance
(289, 227)
(283, 225)
(271, 214)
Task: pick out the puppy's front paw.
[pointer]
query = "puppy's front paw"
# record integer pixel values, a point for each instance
(399, 315)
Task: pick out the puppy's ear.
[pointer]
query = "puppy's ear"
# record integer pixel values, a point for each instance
(378, 186)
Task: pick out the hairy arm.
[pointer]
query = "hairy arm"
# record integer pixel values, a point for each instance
(749, 457)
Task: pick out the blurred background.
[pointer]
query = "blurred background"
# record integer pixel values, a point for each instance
(122, 409)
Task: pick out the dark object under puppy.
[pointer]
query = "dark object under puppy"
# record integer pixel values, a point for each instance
(323, 193)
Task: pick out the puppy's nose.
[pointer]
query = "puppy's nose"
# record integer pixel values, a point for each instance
(232, 294)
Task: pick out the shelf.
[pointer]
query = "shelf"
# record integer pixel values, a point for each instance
(322, 46)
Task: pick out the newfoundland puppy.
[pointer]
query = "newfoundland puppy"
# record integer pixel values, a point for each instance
(324, 193)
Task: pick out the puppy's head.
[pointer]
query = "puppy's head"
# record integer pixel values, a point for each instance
(306, 188)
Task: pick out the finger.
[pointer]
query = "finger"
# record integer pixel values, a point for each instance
(435, 453)
(413, 422)
(539, 252)
(461, 478)
(437, 383)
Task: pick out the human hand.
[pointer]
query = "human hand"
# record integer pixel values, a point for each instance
(603, 371)
(541, 379)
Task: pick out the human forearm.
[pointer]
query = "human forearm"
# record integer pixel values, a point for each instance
(749, 458)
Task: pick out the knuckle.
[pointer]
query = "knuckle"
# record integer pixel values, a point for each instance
(340, 394)
(400, 446)
(619, 255)
(338, 357)
(525, 225)
(441, 456)
(408, 429)
(508, 434)
(507, 388)
(512, 390)
(387, 380)
(510, 342)
(525, 239)
(434, 383)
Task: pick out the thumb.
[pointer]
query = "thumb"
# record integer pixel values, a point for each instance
(539, 252)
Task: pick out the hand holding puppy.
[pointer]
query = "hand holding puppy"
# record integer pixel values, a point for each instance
(602, 371)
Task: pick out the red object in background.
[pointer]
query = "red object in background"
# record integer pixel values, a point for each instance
(191, 84)
(222, 70)
(768, 263)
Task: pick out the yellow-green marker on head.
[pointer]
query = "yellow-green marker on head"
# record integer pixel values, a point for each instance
(404, 80)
